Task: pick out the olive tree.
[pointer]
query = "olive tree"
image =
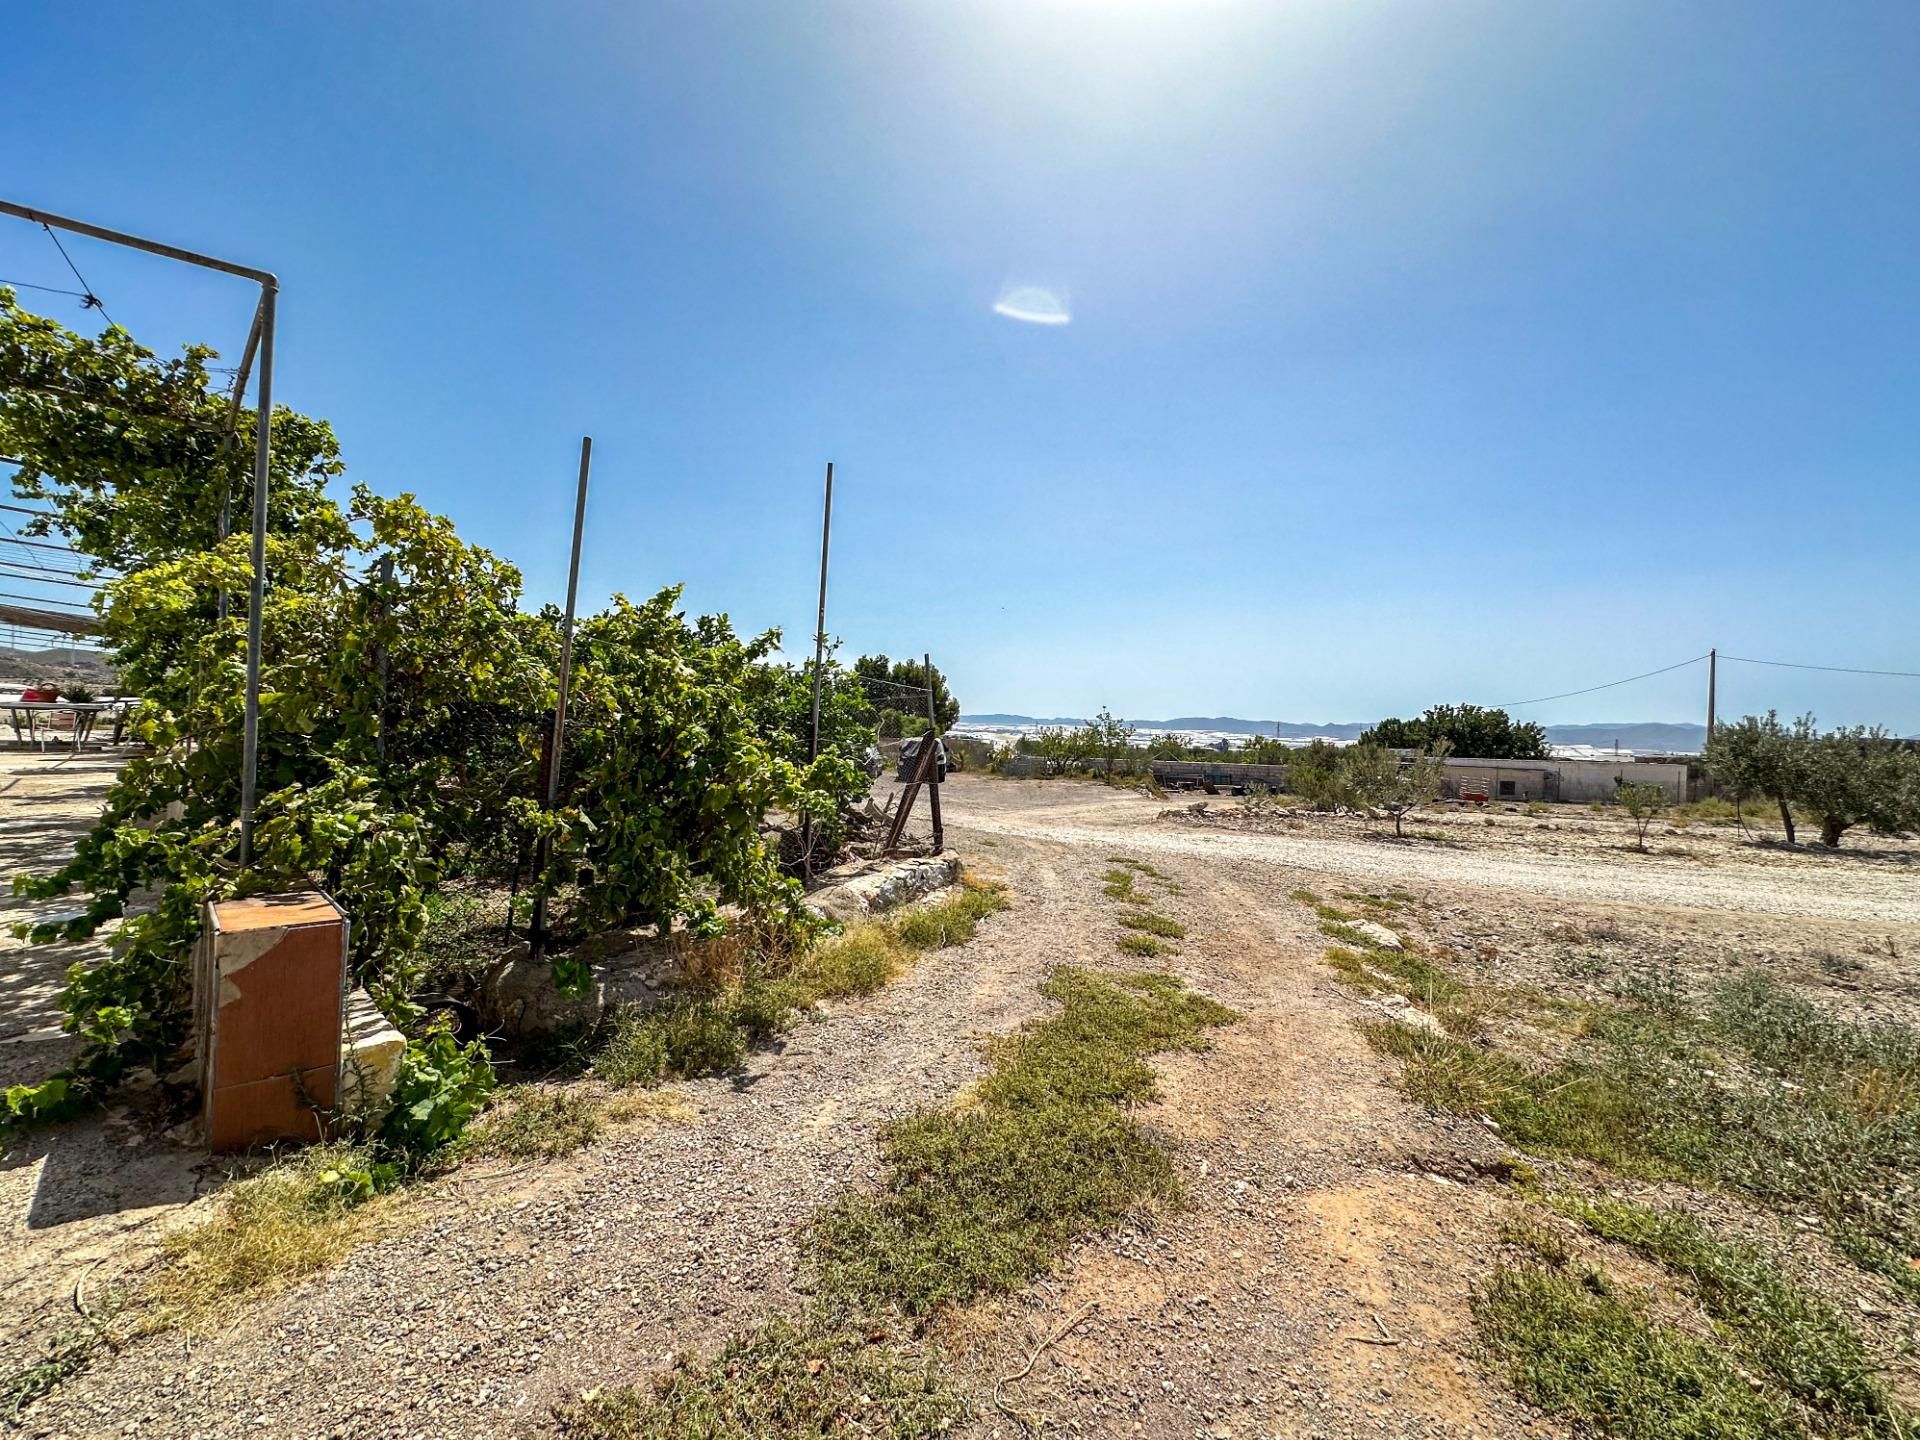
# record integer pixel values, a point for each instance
(1853, 777)
(1758, 757)
(1643, 804)
(1371, 777)
(1109, 737)
(1846, 777)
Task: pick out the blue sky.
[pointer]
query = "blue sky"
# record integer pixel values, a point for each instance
(1416, 351)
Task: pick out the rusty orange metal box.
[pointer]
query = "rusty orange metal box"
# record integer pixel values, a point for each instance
(268, 996)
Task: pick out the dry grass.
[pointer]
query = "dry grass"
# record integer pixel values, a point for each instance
(292, 1220)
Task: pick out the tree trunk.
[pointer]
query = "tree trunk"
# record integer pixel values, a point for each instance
(1786, 819)
(1832, 827)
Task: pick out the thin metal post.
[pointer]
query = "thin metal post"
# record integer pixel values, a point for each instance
(819, 668)
(386, 667)
(820, 627)
(933, 741)
(263, 444)
(557, 748)
(233, 422)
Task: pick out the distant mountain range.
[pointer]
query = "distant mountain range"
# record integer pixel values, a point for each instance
(61, 662)
(1638, 735)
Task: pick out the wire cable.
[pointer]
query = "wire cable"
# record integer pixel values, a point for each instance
(89, 301)
(1569, 694)
(1833, 669)
(43, 289)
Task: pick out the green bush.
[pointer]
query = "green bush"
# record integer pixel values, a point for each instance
(442, 1085)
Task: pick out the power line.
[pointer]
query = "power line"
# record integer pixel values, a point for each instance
(89, 301)
(1833, 669)
(11, 569)
(43, 289)
(1569, 694)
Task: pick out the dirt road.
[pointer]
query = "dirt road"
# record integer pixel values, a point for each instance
(1864, 888)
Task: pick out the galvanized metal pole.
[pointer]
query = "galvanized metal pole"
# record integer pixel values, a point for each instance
(820, 627)
(233, 422)
(556, 750)
(566, 625)
(386, 665)
(262, 451)
(933, 722)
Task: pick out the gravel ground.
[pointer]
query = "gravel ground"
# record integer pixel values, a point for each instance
(1321, 1199)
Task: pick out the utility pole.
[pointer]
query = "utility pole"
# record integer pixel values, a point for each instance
(556, 748)
(1713, 679)
(262, 338)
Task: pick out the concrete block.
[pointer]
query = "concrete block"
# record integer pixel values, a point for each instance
(370, 1051)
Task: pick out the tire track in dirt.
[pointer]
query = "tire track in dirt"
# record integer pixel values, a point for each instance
(1314, 1207)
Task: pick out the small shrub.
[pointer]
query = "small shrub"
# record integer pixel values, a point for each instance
(1144, 946)
(857, 962)
(539, 1122)
(680, 1040)
(762, 1008)
(781, 1381)
(1643, 804)
(442, 1085)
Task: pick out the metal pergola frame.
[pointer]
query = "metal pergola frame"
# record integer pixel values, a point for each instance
(260, 341)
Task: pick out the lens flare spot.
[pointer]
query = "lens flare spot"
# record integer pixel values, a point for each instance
(1033, 305)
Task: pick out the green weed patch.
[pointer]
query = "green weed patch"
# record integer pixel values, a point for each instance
(980, 1199)
(951, 921)
(1576, 1346)
(1759, 1092)
(783, 1380)
(1800, 1342)
(1151, 922)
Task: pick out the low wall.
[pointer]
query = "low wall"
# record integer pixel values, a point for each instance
(1573, 782)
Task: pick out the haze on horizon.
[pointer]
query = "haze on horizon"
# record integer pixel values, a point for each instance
(1320, 359)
